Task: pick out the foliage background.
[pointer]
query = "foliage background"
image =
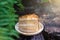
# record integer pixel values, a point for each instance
(8, 19)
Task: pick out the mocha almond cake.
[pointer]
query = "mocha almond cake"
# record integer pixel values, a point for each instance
(29, 23)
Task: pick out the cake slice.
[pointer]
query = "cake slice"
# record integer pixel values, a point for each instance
(29, 23)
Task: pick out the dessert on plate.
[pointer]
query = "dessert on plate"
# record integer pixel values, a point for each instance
(29, 23)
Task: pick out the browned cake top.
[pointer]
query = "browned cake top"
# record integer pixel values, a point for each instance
(29, 16)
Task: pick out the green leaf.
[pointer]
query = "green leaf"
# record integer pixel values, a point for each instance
(3, 3)
(14, 33)
(3, 29)
(5, 38)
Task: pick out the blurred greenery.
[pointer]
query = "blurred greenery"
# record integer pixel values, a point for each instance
(19, 4)
(43, 1)
(8, 19)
